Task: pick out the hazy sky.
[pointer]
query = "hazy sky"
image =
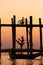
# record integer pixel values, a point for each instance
(20, 8)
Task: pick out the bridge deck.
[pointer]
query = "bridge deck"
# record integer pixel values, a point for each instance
(21, 50)
(17, 25)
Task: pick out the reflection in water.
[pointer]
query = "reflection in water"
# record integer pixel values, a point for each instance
(0, 61)
(5, 60)
(14, 62)
(41, 61)
(30, 62)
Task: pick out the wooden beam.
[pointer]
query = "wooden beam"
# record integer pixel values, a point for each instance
(31, 45)
(17, 25)
(21, 50)
(40, 34)
(27, 36)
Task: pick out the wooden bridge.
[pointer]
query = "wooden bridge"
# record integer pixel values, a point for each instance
(29, 50)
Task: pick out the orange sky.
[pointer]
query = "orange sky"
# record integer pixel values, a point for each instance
(20, 8)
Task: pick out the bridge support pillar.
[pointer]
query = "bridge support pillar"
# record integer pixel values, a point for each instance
(40, 35)
(14, 33)
(31, 44)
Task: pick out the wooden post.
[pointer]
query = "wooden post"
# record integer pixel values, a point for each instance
(0, 39)
(14, 32)
(31, 35)
(40, 35)
(27, 36)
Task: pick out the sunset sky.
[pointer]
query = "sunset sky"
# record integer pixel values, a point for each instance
(20, 8)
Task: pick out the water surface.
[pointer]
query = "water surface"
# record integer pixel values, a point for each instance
(5, 60)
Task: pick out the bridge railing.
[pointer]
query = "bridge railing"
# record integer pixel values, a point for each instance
(14, 25)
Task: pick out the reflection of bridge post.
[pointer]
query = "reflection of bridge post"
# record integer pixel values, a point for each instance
(13, 33)
(0, 38)
(40, 35)
(27, 35)
(31, 35)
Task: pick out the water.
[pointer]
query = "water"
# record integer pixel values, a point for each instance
(5, 60)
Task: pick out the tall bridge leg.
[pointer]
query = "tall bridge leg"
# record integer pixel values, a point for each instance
(27, 36)
(31, 45)
(14, 45)
(40, 35)
(14, 33)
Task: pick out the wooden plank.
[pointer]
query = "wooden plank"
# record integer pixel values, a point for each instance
(40, 34)
(28, 25)
(21, 50)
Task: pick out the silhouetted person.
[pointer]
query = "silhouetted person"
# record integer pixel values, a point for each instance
(21, 22)
(21, 42)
